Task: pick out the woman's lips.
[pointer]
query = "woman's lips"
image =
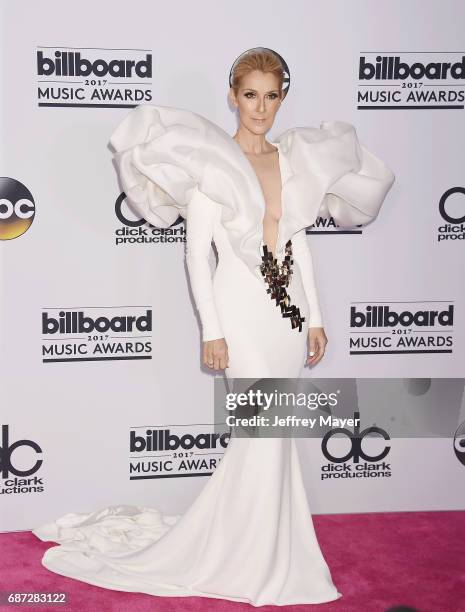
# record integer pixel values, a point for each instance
(259, 120)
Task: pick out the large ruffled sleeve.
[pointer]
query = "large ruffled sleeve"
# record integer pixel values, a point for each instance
(162, 153)
(332, 174)
(157, 160)
(355, 198)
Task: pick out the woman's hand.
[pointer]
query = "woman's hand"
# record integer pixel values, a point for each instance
(215, 354)
(317, 342)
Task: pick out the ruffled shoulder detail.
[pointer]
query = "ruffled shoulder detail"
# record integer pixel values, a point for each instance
(332, 175)
(162, 153)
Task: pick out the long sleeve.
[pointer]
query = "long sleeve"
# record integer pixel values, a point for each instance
(303, 256)
(202, 213)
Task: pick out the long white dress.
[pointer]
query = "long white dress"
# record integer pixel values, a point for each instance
(248, 536)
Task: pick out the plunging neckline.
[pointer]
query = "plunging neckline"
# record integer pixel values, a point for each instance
(280, 162)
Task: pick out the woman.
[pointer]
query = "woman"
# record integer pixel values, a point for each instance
(248, 536)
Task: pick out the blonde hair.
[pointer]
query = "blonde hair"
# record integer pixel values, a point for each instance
(265, 61)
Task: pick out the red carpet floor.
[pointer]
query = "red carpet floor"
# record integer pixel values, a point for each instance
(396, 561)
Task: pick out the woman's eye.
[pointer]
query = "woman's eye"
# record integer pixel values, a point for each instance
(250, 94)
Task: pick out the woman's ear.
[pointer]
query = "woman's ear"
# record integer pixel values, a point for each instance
(232, 97)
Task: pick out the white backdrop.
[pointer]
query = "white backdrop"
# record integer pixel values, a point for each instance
(66, 244)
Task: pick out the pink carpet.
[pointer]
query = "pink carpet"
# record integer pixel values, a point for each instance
(395, 561)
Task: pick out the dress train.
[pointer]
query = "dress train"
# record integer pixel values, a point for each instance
(248, 537)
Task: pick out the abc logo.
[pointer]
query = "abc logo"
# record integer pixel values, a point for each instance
(459, 443)
(356, 437)
(6, 456)
(17, 208)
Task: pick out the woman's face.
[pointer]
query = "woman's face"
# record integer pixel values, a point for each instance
(257, 100)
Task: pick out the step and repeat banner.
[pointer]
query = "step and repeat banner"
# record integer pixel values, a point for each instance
(100, 340)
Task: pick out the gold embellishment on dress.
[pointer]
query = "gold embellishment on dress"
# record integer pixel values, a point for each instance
(277, 276)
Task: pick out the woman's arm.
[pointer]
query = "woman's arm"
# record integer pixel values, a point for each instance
(201, 216)
(303, 256)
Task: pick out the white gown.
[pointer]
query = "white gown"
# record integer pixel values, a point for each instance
(248, 536)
